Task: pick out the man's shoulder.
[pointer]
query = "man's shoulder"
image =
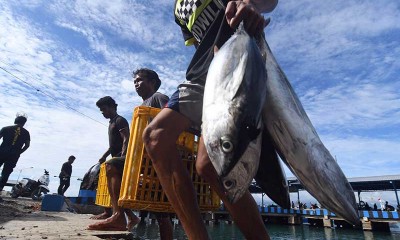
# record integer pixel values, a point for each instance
(120, 120)
(8, 127)
(25, 131)
(159, 95)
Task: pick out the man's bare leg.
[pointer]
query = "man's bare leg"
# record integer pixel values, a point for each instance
(245, 211)
(132, 219)
(165, 226)
(160, 141)
(117, 222)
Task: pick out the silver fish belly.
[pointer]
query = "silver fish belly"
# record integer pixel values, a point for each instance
(233, 98)
(299, 146)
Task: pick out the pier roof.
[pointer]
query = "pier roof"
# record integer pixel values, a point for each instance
(362, 184)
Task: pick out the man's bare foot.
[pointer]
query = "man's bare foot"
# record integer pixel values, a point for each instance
(116, 222)
(101, 216)
(132, 223)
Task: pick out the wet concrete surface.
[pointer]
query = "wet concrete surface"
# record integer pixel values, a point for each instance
(22, 219)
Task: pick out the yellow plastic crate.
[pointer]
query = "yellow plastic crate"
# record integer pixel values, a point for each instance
(140, 188)
(102, 194)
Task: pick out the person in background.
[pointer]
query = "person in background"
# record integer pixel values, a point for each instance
(147, 83)
(382, 203)
(16, 140)
(207, 25)
(367, 207)
(118, 135)
(65, 175)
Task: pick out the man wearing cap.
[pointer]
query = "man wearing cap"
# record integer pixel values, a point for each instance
(16, 140)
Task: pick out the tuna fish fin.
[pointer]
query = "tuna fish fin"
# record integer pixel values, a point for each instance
(234, 85)
(270, 175)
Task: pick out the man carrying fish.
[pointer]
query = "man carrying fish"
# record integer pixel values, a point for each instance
(207, 25)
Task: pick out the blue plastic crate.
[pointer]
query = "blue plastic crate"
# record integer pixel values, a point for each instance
(87, 193)
(52, 202)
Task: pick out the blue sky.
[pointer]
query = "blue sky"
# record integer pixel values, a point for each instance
(342, 58)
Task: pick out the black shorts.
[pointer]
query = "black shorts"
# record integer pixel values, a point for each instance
(117, 162)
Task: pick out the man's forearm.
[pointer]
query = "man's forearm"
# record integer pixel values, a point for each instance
(105, 155)
(125, 139)
(124, 147)
(24, 148)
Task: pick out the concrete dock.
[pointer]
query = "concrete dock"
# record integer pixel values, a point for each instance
(22, 219)
(54, 225)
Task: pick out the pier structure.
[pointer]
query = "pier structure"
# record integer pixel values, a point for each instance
(369, 220)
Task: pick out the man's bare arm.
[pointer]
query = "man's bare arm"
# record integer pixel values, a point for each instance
(104, 157)
(26, 146)
(125, 138)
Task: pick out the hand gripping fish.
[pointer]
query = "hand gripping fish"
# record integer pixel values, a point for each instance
(234, 96)
(299, 146)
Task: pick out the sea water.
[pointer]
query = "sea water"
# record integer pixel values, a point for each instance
(230, 231)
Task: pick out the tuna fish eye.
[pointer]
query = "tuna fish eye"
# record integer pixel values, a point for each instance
(228, 184)
(226, 144)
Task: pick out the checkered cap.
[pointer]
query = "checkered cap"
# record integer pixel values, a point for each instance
(187, 7)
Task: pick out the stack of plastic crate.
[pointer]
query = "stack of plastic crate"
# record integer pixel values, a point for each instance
(140, 188)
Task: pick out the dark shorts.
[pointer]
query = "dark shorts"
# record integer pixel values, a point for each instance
(188, 101)
(117, 162)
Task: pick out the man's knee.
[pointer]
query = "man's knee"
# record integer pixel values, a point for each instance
(111, 169)
(152, 139)
(147, 136)
(163, 132)
(204, 167)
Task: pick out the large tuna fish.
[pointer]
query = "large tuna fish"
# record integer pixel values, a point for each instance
(299, 146)
(234, 95)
